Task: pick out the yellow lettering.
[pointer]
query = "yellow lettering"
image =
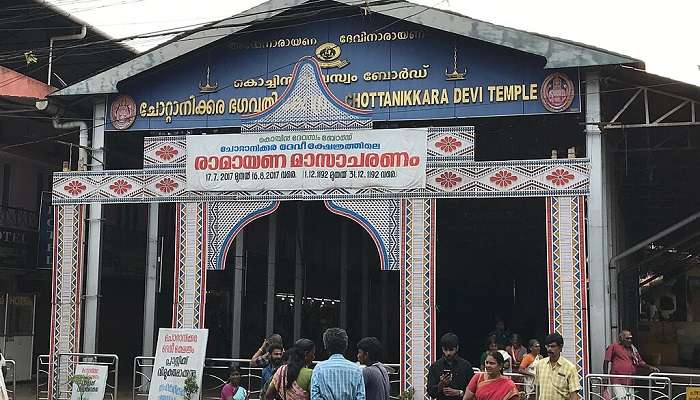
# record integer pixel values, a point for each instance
(457, 96)
(364, 99)
(434, 97)
(533, 91)
(499, 93)
(491, 90)
(444, 98)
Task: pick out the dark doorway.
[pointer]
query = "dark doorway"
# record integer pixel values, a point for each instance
(378, 315)
(491, 263)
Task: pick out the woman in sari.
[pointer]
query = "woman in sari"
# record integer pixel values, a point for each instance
(233, 390)
(527, 367)
(292, 381)
(491, 385)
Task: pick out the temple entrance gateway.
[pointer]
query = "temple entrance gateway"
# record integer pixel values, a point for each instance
(400, 222)
(338, 272)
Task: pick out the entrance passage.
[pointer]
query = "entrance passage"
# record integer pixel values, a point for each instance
(491, 263)
(315, 286)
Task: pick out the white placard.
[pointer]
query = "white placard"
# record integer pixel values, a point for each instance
(179, 354)
(382, 158)
(96, 391)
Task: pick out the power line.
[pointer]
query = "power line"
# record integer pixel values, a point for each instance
(191, 29)
(296, 16)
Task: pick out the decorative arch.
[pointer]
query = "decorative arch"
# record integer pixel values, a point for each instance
(382, 221)
(227, 220)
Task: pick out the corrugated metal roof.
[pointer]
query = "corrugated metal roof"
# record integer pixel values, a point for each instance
(559, 53)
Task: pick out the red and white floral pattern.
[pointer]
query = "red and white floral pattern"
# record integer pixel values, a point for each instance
(166, 153)
(503, 178)
(448, 179)
(166, 185)
(120, 186)
(75, 188)
(560, 177)
(448, 144)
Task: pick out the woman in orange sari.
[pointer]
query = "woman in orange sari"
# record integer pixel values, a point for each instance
(491, 385)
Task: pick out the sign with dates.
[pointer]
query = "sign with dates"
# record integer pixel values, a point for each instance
(393, 159)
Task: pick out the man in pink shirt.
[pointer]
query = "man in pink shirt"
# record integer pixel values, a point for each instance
(622, 358)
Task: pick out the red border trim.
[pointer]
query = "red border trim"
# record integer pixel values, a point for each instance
(176, 280)
(203, 269)
(550, 284)
(404, 311)
(584, 278)
(432, 254)
(52, 337)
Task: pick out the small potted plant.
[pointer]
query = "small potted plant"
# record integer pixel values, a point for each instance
(81, 383)
(191, 386)
(407, 394)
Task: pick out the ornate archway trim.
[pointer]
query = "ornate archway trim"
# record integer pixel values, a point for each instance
(381, 219)
(307, 94)
(460, 179)
(241, 220)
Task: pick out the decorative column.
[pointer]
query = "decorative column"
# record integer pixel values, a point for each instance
(566, 276)
(418, 294)
(190, 265)
(69, 236)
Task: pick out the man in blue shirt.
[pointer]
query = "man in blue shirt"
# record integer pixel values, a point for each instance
(274, 362)
(337, 378)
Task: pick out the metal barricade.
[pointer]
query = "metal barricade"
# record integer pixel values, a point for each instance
(680, 383)
(394, 371)
(66, 363)
(215, 376)
(10, 367)
(525, 385)
(42, 377)
(627, 387)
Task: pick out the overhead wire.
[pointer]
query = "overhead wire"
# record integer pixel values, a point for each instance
(195, 28)
(199, 95)
(292, 63)
(65, 54)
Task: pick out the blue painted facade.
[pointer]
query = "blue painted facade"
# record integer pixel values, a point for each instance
(246, 69)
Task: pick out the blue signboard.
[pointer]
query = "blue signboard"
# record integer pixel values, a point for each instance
(397, 69)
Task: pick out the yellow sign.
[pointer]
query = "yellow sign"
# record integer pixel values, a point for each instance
(692, 393)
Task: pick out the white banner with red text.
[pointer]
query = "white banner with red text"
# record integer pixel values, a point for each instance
(179, 354)
(382, 158)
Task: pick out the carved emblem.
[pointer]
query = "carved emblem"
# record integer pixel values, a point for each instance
(455, 75)
(557, 92)
(328, 55)
(123, 112)
(208, 87)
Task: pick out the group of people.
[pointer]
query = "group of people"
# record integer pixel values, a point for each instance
(549, 378)
(288, 375)
(452, 378)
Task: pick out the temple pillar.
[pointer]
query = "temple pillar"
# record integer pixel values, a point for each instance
(418, 294)
(566, 276)
(68, 249)
(190, 265)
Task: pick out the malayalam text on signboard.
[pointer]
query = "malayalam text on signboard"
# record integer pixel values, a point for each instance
(392, 159)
